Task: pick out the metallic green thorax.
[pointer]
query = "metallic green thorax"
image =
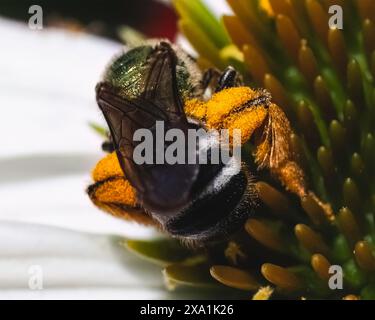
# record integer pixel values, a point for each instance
(127, 73)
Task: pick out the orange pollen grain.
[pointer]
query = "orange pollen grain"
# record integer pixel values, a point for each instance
(247, 121)
(117, 191)
(108, 167)
(225, 101)
(195, 108)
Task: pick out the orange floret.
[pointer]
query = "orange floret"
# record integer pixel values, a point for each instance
(107, 167)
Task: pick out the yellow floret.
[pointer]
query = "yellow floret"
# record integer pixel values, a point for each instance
(263, 293)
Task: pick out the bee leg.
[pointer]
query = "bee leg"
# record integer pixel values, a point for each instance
(112, 192)
(229, 78)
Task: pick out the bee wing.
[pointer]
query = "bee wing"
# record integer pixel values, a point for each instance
(160, 187)
(160, 87)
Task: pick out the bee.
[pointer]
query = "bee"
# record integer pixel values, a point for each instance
(190, 201)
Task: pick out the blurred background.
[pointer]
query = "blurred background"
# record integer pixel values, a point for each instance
(153, 18)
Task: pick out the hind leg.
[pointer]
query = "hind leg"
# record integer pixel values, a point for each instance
(112, 192)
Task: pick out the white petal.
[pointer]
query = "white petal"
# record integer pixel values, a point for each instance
(47, 81)
(61, 201)
(47, 96)
(73, 265)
